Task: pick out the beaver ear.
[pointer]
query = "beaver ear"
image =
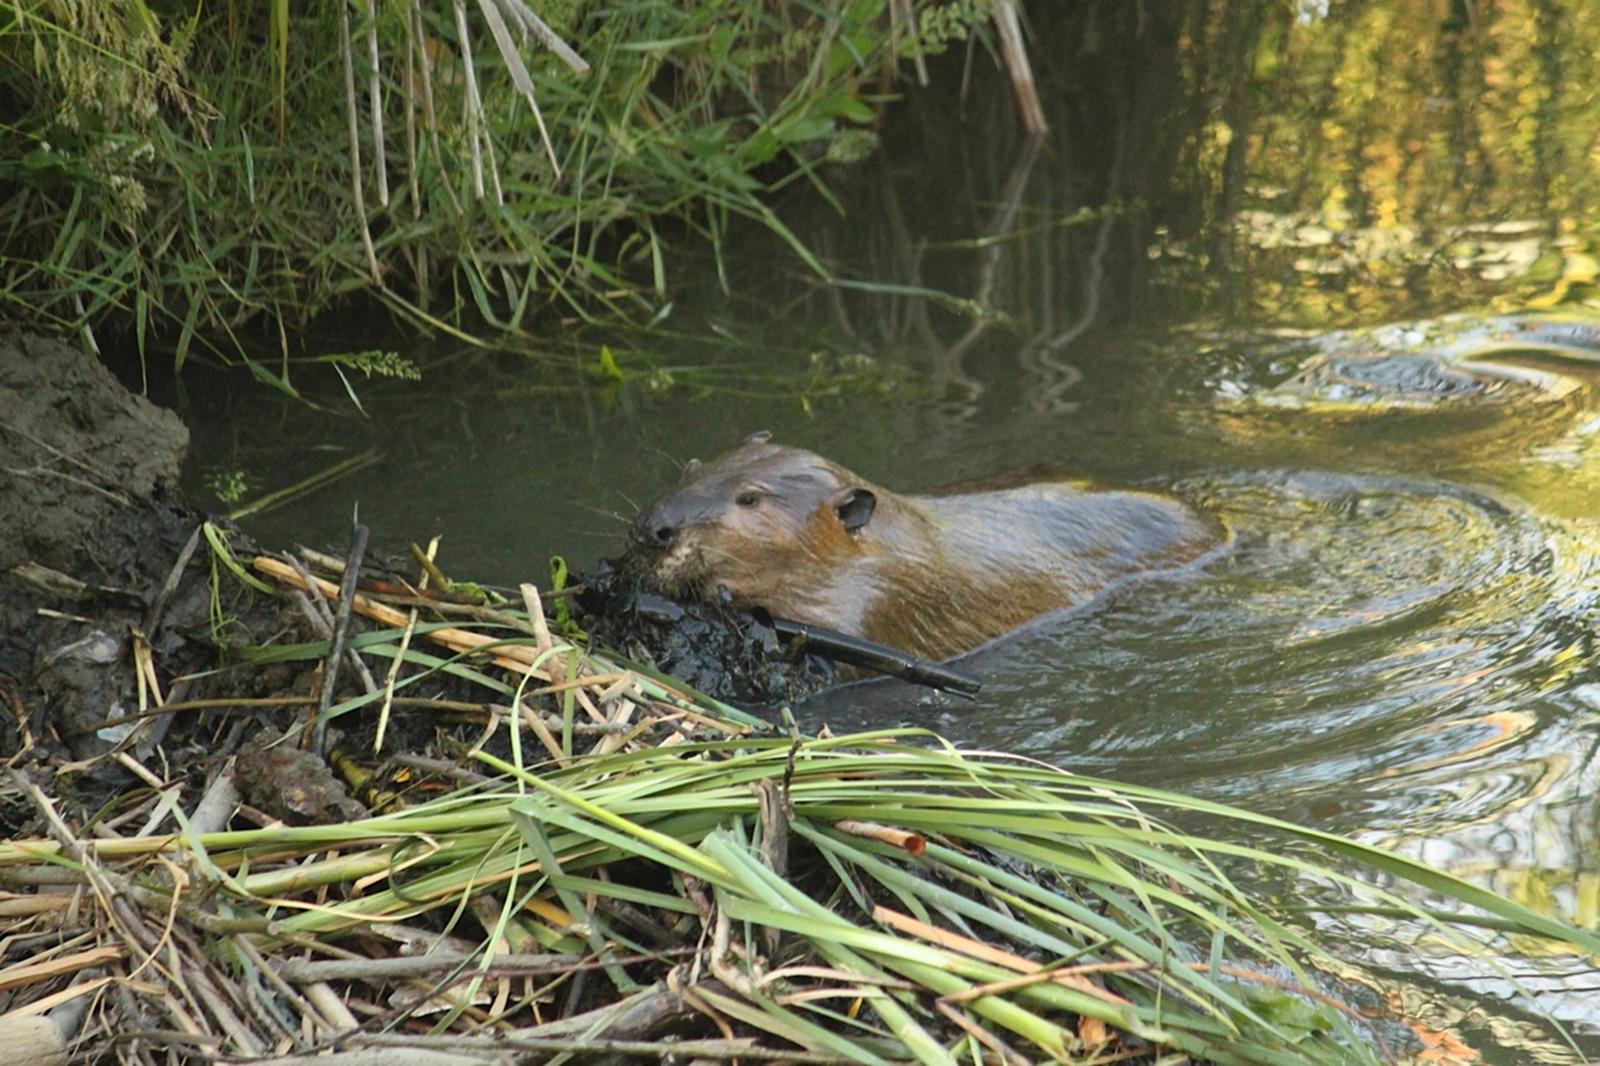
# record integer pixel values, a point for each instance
(760, 436)
(854, 507)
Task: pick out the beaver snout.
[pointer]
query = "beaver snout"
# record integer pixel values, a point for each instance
(656, 528)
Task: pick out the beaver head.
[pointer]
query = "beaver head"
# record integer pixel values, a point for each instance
(761, 521)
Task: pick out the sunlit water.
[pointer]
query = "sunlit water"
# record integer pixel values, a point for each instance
(1398, 642)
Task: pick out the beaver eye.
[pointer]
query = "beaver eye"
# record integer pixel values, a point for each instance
(747, 498)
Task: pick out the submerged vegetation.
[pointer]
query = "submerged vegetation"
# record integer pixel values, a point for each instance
(182, 172)
(554, 851)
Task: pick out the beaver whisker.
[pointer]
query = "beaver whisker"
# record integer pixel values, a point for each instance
(712, 550)
(603, 513)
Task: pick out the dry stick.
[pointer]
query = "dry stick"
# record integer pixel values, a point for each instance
(619, 721)
(55, 583)
(144, 663)
(31, 906)
(986, 1037)
(254, 957)
(511, 656)
(301, 971)
(591, 1049)
(902, 20)
(380, 157)
(429, 567)
(414, 55)
(1011, 984)
(266, 1009)
(535, 606)
(82, 464)
(34, 1040)
(313, 605)
(462, 706)
(65, 1007)
(39, 473)
(26, 973)
(470, 103)
(335, 1015)
(428, 114)
(413, 47)
(211, 814)
(158, 606)
(114, 892)
(530, 23)
(396, 1055)
(907, 841)
(1015, 51)
(399, 657)
(438, 605)
(220, 996)
(341, 632)
(514, 657)
(987, 953)
(519, 74)
(442, 767)
(355, 141)
(487, 133)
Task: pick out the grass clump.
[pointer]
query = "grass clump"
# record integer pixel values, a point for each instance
(182, 172)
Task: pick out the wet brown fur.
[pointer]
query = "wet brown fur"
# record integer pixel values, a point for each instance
(934, 575)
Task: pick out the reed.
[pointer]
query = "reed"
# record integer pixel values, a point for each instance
(639, 861)
(214, 176)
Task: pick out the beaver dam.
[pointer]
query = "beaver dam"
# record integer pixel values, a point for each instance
(260, 807)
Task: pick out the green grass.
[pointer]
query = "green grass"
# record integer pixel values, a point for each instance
(182, 176)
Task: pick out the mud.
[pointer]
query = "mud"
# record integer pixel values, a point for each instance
(78, 452)
(89, 528)
(723, 653)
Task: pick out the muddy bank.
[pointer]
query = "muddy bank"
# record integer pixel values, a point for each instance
(83, 457)
(113, 606)
(90, 525)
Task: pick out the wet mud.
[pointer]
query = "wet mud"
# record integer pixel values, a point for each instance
(723, 652)
(89, 528)
(113, 608)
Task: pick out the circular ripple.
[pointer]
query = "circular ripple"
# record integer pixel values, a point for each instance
(1422, 365)
(1357, 629)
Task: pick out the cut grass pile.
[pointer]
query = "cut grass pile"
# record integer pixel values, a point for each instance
(600, 861)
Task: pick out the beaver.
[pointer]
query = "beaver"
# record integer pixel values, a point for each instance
(936, 575)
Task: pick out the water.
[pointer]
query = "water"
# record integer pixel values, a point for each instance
(1227, 275)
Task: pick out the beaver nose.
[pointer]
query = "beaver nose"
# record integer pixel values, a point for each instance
(655, 529)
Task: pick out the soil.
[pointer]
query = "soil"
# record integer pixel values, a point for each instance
(96, 546)
(80, 453)
(89, 528)
(716, 650)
